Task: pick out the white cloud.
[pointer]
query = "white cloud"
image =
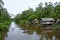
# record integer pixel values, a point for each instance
(16, 6)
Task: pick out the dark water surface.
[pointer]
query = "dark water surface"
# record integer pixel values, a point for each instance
(30, 33)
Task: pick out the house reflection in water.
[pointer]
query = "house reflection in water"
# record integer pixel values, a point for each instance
(44, 35)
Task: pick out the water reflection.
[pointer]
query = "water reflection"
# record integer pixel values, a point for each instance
(57, 34)
(30, 33)
(2, 35)
(47, 35)
(16, 33)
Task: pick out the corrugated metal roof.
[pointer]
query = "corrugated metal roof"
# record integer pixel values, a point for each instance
(48, 19)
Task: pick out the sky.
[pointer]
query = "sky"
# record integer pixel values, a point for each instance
(17, 6)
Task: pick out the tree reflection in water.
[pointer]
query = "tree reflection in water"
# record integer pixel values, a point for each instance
(43, 35)
(37, 31)
(2, 35)
(57, 34)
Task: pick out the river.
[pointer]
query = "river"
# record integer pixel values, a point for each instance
(27, 33)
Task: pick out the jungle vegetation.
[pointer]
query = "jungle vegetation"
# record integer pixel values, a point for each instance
(49, 10)
(4, 17)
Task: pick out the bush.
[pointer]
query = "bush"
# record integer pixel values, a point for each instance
(22, 22)
(4, 26)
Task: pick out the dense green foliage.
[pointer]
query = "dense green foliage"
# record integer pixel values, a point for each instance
(50, 10)
(4, 20)
(4, 17)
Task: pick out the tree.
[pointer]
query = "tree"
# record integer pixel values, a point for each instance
(38, 11)
(57, 10)
(48, 11)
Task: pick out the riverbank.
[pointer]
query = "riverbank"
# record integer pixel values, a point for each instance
(47, 27)
(17, 32)
(2, 35)
(4, 25)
